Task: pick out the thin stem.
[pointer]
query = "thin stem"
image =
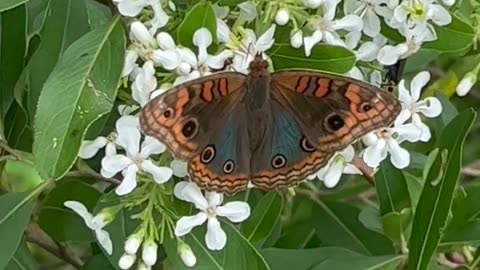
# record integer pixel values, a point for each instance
(93, 175)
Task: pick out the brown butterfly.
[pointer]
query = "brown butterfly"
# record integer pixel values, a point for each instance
(272, 130)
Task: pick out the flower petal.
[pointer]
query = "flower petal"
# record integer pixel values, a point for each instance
(418, 82)
(103, 238)
(168, 59)
(129, 181)
(248, 11)
(334, 173)
(160, 174)
(165, 41)
(350, 23)
(90, 148)
(190, 192)
(399, 157)
(179, 168)
(234, 211)
(80, 210)
(140, 32)
(374, 154)
(223, 31)
(371, 24)
(441, 16)
(186, 224)
(151, 146)
(309, 42)
(213, 198)
(215, 237)
(265, 41)
(116, 163)
(389, 55)
(433, 107)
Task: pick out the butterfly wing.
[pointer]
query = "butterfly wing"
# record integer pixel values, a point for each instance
(223, 165)
(185, 117)
(285, 156)
(333, 111)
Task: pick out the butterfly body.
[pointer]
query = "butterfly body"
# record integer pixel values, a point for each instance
(272, 130)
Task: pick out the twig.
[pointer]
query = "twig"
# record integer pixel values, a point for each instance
(13, 152)
(367, 172)
(36, 235)
(93, 175)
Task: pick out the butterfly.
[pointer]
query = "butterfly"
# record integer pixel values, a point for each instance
(270, 130)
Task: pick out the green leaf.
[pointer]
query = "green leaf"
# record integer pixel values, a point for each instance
(237, 254)
(415, 186)
(437, 195)
(98, 13)
(230, 2)
(263, 218)
(61, 223)
(325, 258)
(392, 189)
(397, 225)
(365, 263)
(10, 4)
(66, 22)
(20, 176)
(12, 51)
(297, 230)
(15, 211)
(85, 80)
(337, 224)
(200, 15)
(22, 259)
(455, 37)
(468, 234)
(324, 58)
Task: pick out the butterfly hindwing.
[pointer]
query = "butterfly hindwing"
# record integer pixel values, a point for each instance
(224, 163)
(185, 117)
(285, 156)
(333, 111)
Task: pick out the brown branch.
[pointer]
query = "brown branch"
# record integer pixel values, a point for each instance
(34, 234)
(4, 145)
(93, 175)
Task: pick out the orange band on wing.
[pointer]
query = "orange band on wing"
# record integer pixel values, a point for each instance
(323, 87)
(302, 84)
(207, 88)
(222, 87)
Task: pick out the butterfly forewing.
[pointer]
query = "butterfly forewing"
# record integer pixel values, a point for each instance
(185, 117)
(333, 111)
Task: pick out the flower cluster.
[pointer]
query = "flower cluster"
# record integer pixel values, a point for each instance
(155, 62)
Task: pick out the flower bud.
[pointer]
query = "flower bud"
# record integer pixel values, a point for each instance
(186, 254)
(312, 3)
(140, 32)
(149, 253)
(282, 18)
(126, 261)
(296, 39)
(133, 243)
(466, 84)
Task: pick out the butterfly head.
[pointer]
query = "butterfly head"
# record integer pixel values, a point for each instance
(259, 66)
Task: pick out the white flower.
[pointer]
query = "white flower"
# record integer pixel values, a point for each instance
(369, 10)
(338, 164)
(160, 18)
(144, 84)
(416, 14)
(387, 141)
(149, 252)
(130, 8)
(127, 261)
(355, 73)
(412, 107)
(246, 49)
(186, 254)
(210, 208)
(89, 148)
(126, 110)
(466, 83)
(389, 55)
(196, 66)
(282, 17)
(325, 28)
(95, 223)
(369, 50)
(136, 158)
(312, 3)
